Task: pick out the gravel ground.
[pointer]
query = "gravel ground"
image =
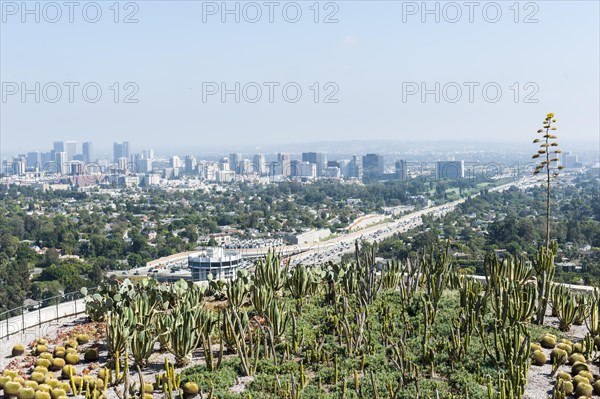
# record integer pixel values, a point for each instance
(539, 381)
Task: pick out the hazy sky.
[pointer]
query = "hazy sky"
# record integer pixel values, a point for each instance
(374, 61)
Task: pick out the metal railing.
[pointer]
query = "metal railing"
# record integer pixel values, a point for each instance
(49, 310)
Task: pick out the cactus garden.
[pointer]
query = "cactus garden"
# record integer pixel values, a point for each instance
(417, 329)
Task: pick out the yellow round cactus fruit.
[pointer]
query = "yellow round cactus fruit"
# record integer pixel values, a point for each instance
(584, 389)
(11, 388)
(91, 355)
(566, 348)
(83, 339)
(72, 358)
(42, 395)
(26, 393)
(18, 350)
(538, 358)
(57, 393)
(548, 342)
(38, 377)
(3, 380)
(67, 371)
(578, 367)
(190, 389)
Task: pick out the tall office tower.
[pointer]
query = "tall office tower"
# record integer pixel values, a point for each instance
(284, 160)
(450, 169)
(224, 164)
(355, 167)
(34, 160)
(235, 158)
(143, 165)
(61, 162)
(317, 158)
(175, 162)
(58, 146)
(150, 154)
(120, 150)
(259, 164)
(46, 158)
(190, 164)
(372, 166)
(401, 169)
(70, 149)
(19, 165)
(122, 164)
(87, 150)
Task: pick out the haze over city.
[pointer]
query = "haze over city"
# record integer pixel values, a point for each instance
(383, 70)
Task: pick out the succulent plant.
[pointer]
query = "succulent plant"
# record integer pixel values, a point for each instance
(566, 348)
(568, 388)
(91, 355)
(596, 387)
(10, 373)
(548, 341)
(576, 357)
(538, 358)
(67, 371)
(558, 356)
(41, 369)
(535, 347)
(190, 389)
(83, 339)
(71, 344)
(42, 395)
(26, 393)
(46, 355)
(58, 364)
(3, 380)
(44, 363)
(40, 348)
(38, 377)
(53, 382)
(587, 375)
(72, 358)
(18, 350)
(584, 389)
(148, 387)
(579, 366)
(42, 341)
(57, 392)
(11, 388)
(44, 388)
(31, 384)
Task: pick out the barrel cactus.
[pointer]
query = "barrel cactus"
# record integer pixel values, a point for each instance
(538, 358)
(38, 377)
(42, 395)
(548, 341)
(190, 389)
(576, 357)
(40, 348)
(587, 375)
(44, 363)
(58, 364)
(579, 366)
(567, 348)
(3, 380)
(26, 393)
(559, 356)
(11, 388)
(91, 355)
(83, 339)
(18, 350)
(72, 358)
(46, 355)
(67, 371)
(584, 389)
(57, 393)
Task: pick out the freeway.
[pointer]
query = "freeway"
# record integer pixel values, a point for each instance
(333, 248)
